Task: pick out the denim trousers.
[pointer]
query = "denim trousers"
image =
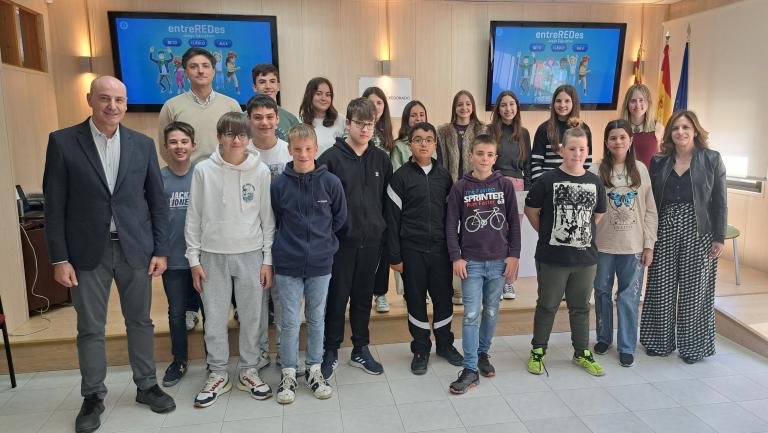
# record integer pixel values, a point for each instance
(177, 284)
(481, 288)
(314, 292)
(629, 272)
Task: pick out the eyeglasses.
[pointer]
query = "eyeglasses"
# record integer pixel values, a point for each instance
(423, 141)
(362, 125)
(232, 135)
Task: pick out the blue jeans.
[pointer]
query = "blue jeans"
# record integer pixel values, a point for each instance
(177, 284)
(629, 272)
(314, 291)
(483, 286)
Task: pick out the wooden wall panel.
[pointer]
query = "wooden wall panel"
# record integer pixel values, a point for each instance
(27, 113)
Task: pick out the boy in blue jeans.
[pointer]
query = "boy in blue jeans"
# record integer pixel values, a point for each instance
(310, 207)
(177, 279)
(483, 232)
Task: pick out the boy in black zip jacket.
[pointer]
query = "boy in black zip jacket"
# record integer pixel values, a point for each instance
(418, 249)
(364, 172)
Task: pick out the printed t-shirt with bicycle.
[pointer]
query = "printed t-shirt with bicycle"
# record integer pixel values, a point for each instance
(486, 207)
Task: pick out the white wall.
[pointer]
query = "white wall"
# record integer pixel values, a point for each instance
(727, 65)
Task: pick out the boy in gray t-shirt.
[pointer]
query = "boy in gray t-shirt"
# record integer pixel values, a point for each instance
(179, 142)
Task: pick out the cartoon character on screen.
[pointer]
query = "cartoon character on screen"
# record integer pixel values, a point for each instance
(179, 75)
(561, 74)
(525, 76)
(549, 75)
(163, 68)
(538, 77)
(231, 69)
(583, 71)
(572, 70)
(219, 70)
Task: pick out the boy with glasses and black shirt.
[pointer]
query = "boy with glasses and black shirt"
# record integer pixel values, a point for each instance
(364, 172)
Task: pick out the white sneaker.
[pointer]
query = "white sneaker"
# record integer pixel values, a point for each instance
(508, 292)
(382, 306)
(286, 394)
(216, 385)
(317, 383)
(191, 320)
(251, 383)
(264, 360)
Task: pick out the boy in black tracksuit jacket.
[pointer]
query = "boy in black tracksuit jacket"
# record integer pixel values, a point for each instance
(417, 246)
(364, 172)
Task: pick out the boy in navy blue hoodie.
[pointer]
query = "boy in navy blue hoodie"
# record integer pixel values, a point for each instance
(483, 231)
(310, 207)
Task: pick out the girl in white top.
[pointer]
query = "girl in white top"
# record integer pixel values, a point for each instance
(318, 111)
(625, 239)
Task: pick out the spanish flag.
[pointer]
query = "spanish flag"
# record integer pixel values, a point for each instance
(638, 72)
(664, 104)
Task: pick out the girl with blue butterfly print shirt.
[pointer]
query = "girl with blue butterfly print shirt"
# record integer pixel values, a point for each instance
(625, 240)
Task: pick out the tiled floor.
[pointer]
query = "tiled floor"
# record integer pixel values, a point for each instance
(727, 393)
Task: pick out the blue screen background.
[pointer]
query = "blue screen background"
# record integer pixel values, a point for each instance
(534, 84)
(250, 40)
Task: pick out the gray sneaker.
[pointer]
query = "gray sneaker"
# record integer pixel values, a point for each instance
(508, 292)
(264, 360)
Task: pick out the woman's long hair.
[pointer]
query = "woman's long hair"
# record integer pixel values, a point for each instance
(701, 140)
(630, 164)
(402, 134)
(553, 132)
(307, 110)
(497, 124)
(384, 124)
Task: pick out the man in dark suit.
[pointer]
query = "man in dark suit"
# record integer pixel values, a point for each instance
(107, 219)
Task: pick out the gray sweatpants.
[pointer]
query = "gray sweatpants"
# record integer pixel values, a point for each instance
(227, 272)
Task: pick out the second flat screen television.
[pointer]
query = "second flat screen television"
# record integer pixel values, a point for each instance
(533, 58)
(147, 49)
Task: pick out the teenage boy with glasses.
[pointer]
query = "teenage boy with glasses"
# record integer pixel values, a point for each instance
(364, 172)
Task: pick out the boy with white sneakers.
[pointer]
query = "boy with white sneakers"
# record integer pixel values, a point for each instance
(229, 231)
(310, 207)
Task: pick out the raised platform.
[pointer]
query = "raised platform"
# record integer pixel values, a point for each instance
(48, 342)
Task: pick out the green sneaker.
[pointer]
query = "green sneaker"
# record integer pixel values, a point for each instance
(536, 361)
(587, 362)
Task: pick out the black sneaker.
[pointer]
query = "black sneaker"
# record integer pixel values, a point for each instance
(450, 354)
(156, 399)
(362, 358)
(601, 348)
(626, 359)
(88, 420)
(467, 379)
(330, 362)
(174, 373)
(484, 365)
(419, 363)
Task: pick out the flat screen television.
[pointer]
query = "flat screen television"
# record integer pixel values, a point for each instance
(147, 49)
(533, 58)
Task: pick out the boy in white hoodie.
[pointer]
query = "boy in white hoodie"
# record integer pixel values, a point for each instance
(229, 231)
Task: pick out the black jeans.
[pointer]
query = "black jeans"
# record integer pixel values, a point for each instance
(352, 280)
(177, 284)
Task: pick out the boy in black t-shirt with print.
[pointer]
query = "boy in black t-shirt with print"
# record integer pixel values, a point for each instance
(564, 206)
